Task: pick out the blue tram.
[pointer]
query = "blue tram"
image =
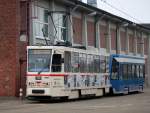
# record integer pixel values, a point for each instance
(127, 73)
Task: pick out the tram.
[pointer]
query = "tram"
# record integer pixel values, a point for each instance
(127, 73)
(66, 72)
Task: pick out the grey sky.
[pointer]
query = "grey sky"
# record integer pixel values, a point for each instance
(137, 9)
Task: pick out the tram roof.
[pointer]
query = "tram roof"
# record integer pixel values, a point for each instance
(63, 48)
(129, 60)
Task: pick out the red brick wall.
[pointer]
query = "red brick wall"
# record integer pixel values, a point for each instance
(113, 39)
(77, 30)
(9, 33)
(123, 40)
(90, 33)
(103, 33)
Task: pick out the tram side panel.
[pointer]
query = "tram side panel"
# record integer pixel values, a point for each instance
(55, 82)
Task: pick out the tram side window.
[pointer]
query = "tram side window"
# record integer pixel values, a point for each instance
(115, 68)
(129, 71)
(90, 63)
(125, 71)
(56, 63)
(83, 63)
(137, 71)
(96, 64)
(67, 61)
(141, 69)
(102, 64)
(75, 62)
(133, 71)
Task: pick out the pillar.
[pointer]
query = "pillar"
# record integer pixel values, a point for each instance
(84, 30)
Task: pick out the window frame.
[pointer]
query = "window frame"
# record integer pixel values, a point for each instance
(60, 27)
(37, 23)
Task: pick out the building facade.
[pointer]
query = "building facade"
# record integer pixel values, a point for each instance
(47, 22)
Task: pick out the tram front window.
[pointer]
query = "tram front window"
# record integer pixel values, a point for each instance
(39, 60)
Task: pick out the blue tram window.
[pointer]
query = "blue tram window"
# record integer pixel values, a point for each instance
(115, 70)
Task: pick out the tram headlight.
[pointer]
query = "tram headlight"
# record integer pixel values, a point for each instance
(30, 84)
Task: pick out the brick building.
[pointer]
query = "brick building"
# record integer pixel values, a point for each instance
(29, 22)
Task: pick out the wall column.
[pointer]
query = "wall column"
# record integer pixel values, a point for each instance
(118, 49)
(108, 37)
(135, 40)
(84, 30)
(127, 41)
(142, 45)
(97, 34)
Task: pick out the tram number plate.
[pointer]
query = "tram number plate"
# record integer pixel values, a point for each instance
(38, 78)
(39, 84)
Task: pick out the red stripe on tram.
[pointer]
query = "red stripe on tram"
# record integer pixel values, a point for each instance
(45, 75)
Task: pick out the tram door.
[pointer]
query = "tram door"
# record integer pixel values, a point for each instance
(57, 62)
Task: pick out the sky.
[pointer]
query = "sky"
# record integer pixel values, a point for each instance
(133, 10)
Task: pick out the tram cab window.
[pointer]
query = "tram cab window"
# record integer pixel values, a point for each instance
(39, 60)
(115, 69)
(56, 63)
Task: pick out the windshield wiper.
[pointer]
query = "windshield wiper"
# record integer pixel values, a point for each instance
(47, 65)
(43, 69)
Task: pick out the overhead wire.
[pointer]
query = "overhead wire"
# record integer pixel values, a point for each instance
(123, 12)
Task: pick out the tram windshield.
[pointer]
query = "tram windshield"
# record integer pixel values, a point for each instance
(39, 60)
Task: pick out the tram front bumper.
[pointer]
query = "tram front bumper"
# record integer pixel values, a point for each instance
(38, 92)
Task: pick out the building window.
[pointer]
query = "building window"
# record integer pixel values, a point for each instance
(60, 21)
(41, 23)
(146, 46)
(103, 36)
(139, 45)
(77, 30)
(90, 33)
(113, 39)
(131, 43)
(123, 40)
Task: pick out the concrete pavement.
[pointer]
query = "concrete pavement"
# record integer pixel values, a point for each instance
(133, 103)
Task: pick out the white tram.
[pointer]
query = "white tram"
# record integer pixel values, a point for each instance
(58, 71)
